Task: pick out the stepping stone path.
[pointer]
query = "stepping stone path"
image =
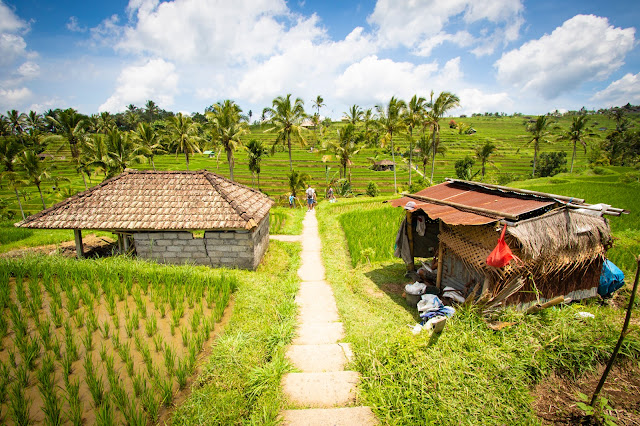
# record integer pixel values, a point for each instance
(323, 393)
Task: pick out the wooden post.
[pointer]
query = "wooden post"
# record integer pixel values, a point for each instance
(120, 244)
(410, 266)
(77, 233)
(125, 237)
(440, 256)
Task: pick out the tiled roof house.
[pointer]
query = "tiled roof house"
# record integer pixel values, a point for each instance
(158, 210)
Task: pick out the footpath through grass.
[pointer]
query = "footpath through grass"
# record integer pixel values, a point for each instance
(240, 382)
(469, 374)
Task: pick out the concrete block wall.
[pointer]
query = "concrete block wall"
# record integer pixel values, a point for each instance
(232, 249)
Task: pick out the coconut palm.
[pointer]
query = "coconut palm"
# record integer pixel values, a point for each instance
(538, 129)
(71, 127)
(297, 181)
(123, 152)
(227, 127)
(354, 114)
(5, 128)
(103, 123)
(34, 121)
(17, 121)
(390, 121)
(151, 110)
(443, 103)
(95, 155)
(416, 110)
(14, 182)
(318, 103)
(286, 118)
(184, 135)
(484, 152)
(9, 150)
(256, 153)
(347, 146)
(424, 147)
(37, 171)
(577, 133)
(147, 136)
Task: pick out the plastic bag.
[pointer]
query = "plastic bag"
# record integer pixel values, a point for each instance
(501, 255)
(611, 279)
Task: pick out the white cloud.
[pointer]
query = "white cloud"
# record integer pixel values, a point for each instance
(9, 22)
(584, 48)
(156, 79)
(12, 47)
(475, 100)
(9, 98)
(29, 70)
(620, 92)
(74, 26)
(413, 23)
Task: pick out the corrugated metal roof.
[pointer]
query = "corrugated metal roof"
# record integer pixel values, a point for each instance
(513, 204)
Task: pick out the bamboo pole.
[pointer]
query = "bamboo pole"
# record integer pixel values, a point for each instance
(623, 333)
(411, 265)
(464, 207)
(440, 256)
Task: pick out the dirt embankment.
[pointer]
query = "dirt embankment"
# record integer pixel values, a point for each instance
(93, 247)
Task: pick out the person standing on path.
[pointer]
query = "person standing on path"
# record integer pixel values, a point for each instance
(311, 195)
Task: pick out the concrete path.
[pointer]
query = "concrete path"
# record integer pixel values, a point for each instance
(323, 393)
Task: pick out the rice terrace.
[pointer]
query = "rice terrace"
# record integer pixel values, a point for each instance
(191, 235)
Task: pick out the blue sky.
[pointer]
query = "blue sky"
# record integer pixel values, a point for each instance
(496, 55)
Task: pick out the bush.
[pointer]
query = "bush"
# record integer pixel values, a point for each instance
(418, 186)
(551, 163)
(463, 168)
(372, 189)
(343, 188)
(505, 178)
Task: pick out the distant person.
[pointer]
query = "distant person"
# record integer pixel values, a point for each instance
(292, 200)
(311, 195)
(330, 196)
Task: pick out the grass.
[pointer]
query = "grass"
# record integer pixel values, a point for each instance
(240, 382)
(12, 238)
(469, 372)
(285, 220)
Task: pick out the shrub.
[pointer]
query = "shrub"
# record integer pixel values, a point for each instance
(551, 163)
(463, 168)
(372, 189)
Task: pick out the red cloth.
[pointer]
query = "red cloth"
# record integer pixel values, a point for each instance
(501, 255)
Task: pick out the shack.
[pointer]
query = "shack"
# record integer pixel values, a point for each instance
(383, 165)
(155, 213)
(560, 243)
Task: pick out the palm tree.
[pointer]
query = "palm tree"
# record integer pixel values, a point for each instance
(354, 115)
(227, 126)
(370, 133)
(346, 147)
(575, 134)
(297, 181)
(146, 136)
(17, 121)
(36, 170)
(123, 152)
(414, 116)
(443, 103)
(103, 123)
(15, 182)
(484, 152)
(95, 153)
(151, 110)
(390, 120)
(286, 118)
(424, 146)
(5, 129)
(256, 152)
(184, 134)
(538, 130)
(9, 149)
(34, 121)
(70, 126)
(318, 103)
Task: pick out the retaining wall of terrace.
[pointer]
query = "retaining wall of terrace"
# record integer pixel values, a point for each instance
(232, 249)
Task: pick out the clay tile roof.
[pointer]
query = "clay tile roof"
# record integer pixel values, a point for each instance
(158, 200)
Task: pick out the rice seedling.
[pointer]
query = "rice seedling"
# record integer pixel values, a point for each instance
(182, 373)
(169, 360)
(67, 365)
(55, 347)
(4, 382)
(115, 340)
(172, 329)
(96, 387)
(105, 415)
(151, 404)
(45, 373)
(129, 327)
(184, 332)
(135, 417)
(19, 405)
(12, 359)
(31, 353)
(51, 405)
(162, 310)
(87, 340)
(70, 342)
(73, 301)
(5, 292)
(20, 326)
(92, 320)
(175, 318)
(195, 321)
(74, 414)
(116, 322)
(21, 293)
(165, 388)
(139, 385)
(21, 373)
(151, 325)
(111, 303)
(129, 367)
(56, 315)
(158, 342)
(125, 352)
(120, 397)
(44, 329)
(105, 329)
(79, 318)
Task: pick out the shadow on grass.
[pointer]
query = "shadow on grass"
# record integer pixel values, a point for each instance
(391, 280)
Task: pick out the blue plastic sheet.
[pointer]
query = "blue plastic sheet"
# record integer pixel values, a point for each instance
(611, 279)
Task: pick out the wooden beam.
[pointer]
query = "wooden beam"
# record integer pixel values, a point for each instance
(464, 207)
(77, 233)
(519, 191)
(440, 255)
(125, 238)
(410, 266)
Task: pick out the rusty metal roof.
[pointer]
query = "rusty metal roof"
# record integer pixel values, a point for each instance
(510, 203)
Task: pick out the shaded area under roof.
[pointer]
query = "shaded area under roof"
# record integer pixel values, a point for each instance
(473, 197)
(158, 200)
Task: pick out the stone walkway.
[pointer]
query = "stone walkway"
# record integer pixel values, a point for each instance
(323, 393)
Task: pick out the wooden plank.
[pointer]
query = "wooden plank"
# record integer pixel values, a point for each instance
(463, 206)
(519, 191)
(77, 233)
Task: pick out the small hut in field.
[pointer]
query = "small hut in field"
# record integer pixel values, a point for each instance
(156, 212)
(383, 165)
(561, 241)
